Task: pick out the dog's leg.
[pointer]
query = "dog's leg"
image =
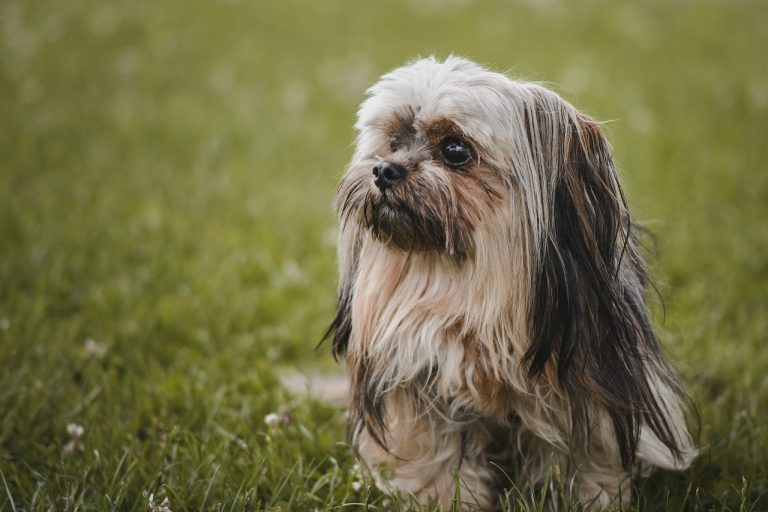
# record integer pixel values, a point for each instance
(604, 487)
(600, 476)
(547, 452)
(427, 456)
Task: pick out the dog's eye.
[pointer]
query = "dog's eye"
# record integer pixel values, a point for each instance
(455, 152)
(394, 142)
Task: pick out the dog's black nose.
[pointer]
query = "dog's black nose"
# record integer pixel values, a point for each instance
(388, 174)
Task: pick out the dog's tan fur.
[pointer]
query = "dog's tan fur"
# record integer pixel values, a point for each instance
(437, 329)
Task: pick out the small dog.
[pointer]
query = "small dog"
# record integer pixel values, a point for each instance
(491, 305)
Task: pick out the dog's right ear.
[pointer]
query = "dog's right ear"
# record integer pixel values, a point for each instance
(349, 256)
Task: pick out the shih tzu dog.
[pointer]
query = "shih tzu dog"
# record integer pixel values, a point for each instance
(491, 304)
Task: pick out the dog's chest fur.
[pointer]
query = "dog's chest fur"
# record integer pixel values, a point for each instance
(422, 322)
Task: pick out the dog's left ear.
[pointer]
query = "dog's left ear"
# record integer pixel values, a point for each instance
(588, 317)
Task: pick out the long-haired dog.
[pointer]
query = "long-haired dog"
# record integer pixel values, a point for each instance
(491, 305)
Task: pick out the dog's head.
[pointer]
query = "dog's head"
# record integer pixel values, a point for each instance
(444, 148)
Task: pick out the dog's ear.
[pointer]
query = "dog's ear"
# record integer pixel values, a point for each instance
(341, 325)
(349, 254)
(588, 317)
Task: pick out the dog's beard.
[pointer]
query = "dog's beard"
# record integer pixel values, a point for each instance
(395, 221)
(420, 215)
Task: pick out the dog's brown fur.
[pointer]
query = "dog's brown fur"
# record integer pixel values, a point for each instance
(495, 311)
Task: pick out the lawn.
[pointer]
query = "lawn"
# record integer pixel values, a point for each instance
(167, 244)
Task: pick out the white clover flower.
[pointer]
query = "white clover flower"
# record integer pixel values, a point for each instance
(74, 445)
(163, 506)
(94, 350)
(278, 419)
(356, 486)
(75, 431)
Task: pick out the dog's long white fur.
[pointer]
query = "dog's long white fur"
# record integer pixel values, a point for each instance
(444, 339)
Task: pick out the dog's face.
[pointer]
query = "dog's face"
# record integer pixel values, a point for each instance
(432, 157)
(443, 147)
(417, 189)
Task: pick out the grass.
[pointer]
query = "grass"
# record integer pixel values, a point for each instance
(166, 172)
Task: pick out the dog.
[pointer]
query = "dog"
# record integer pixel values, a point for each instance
(491, 300)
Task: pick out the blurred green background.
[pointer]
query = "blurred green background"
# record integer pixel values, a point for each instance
(167, 240)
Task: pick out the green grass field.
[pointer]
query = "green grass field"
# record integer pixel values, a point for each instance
(167, 239)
